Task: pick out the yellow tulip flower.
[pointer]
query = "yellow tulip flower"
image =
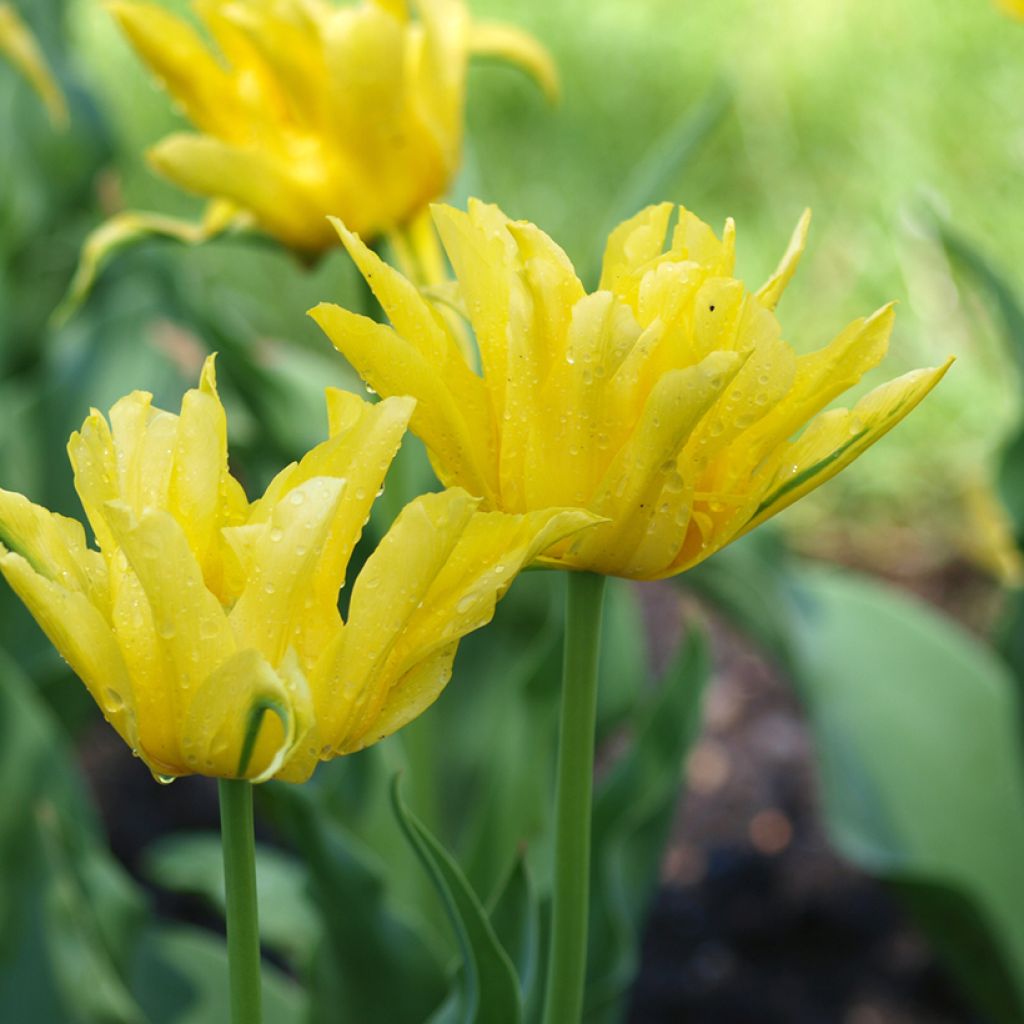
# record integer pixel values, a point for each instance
(207, 628)
(666, 401)
(310, 109)
(19, 46)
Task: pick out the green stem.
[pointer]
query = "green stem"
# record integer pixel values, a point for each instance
(236, 827)
(567, 962)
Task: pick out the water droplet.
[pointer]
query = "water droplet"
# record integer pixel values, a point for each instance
(269, 588)
(164, 780)
(297, 497)
(465, 604)
(276, 534)
(114, 700)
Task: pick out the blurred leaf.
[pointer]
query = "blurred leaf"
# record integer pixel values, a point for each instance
(366, 945)
(515, 918)
(1010, 313)
(193, 863)
(59, 881)
(489, 986)
(921, 763)
(182, 978)
(633, 813)
(654, 177)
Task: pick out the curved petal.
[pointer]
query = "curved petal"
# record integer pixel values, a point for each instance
(394, 366)
(192, 630)
(639, 472)
(246, 719)
(505, 42)
(253, 179)
(771, 291)
(634, 244)
(54, 546)
(837, 437)
(83, 637)
(277, 607)
(178, 56)
(20, 47)
(348, 685)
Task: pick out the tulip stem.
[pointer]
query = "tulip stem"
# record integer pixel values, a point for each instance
(567, 960)
(236, 824)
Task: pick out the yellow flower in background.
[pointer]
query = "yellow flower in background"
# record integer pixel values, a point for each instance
(19, 46)
(666, 402)
(1013, 7)
(207, 628)
(306, 108)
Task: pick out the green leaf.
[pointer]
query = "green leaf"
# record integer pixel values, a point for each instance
(633, 813)
(193, 863)
(654, 178)
(489, 986)
(181, 977)
(367, 944)
(921, 764)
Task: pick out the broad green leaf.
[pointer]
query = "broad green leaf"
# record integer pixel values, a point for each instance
(633, 812)
(489, 986)
(193, 863)
(181, 977)
(922, 773)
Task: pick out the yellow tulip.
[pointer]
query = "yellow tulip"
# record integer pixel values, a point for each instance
(666, 401)
(310, 109)
(207, 628)
(1013, 7)
(19, 46)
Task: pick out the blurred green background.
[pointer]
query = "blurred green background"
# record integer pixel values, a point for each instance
(901, 125)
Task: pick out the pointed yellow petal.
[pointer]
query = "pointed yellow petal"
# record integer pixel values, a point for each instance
(348, 684)
(837, 437)
(639, 472)
(246, 719)
(199, 468)
(91, 451)
(278, 597)
(19, 46)
(820, 377)
(391, 365)
(492, 549)
(255, 180)
(192, 630)
(505, 42)
(83, 637)
(633, 244)
(771, 291)
(54, 546)
(178, 56)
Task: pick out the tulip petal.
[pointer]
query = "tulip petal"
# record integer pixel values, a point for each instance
(634, 244)
(192, 630)
(394, 366)
(54, 546)
(838, 437)
(348, 684)
(771, 291)
(820, 377)
(83, 637)
(255, 180)
(94, 463)
(628, 494)
(246, 719)
(505, 42)
(277, 605)
(179, 57)
(20, 47)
